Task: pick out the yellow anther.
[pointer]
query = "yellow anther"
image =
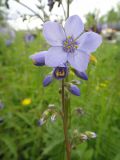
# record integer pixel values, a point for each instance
(68, 37)
(76, 46)
(68, 47)
(66, 43)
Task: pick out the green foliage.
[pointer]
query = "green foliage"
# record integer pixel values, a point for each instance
(20, 136)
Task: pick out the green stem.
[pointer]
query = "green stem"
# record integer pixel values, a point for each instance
(65, 122)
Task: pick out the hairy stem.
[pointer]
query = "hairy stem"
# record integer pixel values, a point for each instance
(65, 122)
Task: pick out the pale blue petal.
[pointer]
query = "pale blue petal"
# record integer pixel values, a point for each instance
(74, 26)
(79, 61)
(89, 42)
(54, 33)
(55, 57)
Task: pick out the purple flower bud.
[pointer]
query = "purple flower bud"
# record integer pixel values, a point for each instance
(60, 73)
(47, 80)
(74, 90)
(39, 58)
(41, 121)
(82, 75)
(50, 4)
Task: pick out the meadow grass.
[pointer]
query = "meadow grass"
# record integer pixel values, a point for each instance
(20, 136)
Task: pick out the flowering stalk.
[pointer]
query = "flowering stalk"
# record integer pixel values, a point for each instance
(65, 121)
(69, 48)
(65, 110)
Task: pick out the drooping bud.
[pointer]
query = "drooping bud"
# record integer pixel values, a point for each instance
(47, 80)
(81, 75)
(74, 89)
(91, 134)
(41, 121)
(60, 73)
(39, 58)
(53, 117)
(83, 137)
(50, 4)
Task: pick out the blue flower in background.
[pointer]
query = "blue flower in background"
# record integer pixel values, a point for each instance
(29, 37)
(8, 42)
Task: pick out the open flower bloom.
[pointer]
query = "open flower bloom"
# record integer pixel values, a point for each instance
(69, 44)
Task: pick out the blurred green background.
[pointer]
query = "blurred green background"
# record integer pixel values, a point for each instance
(24, 100)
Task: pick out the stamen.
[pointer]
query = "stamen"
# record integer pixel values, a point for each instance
(70, 45)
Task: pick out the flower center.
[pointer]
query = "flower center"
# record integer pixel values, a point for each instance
(60, 72)
(70, 45)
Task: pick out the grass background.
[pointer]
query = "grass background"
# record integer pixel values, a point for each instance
(20, 136)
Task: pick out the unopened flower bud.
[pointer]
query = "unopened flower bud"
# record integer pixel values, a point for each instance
(75, 133)
(41, 121)
(47, 80)
(81, 75)
(74, 90)
(51, 106)
(53, 117)
(50, 4)
(83, 137)
(39, 58)
(91, 134)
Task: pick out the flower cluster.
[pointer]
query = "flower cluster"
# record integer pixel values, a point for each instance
(70, 50)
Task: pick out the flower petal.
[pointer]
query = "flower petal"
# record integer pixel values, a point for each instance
(54, 33)
(55, 57)
(89, 42)
(39, 58)
(79, 61)
(74, 26)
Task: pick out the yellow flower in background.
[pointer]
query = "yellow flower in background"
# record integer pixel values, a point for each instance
(26, 102)
(93, 59)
